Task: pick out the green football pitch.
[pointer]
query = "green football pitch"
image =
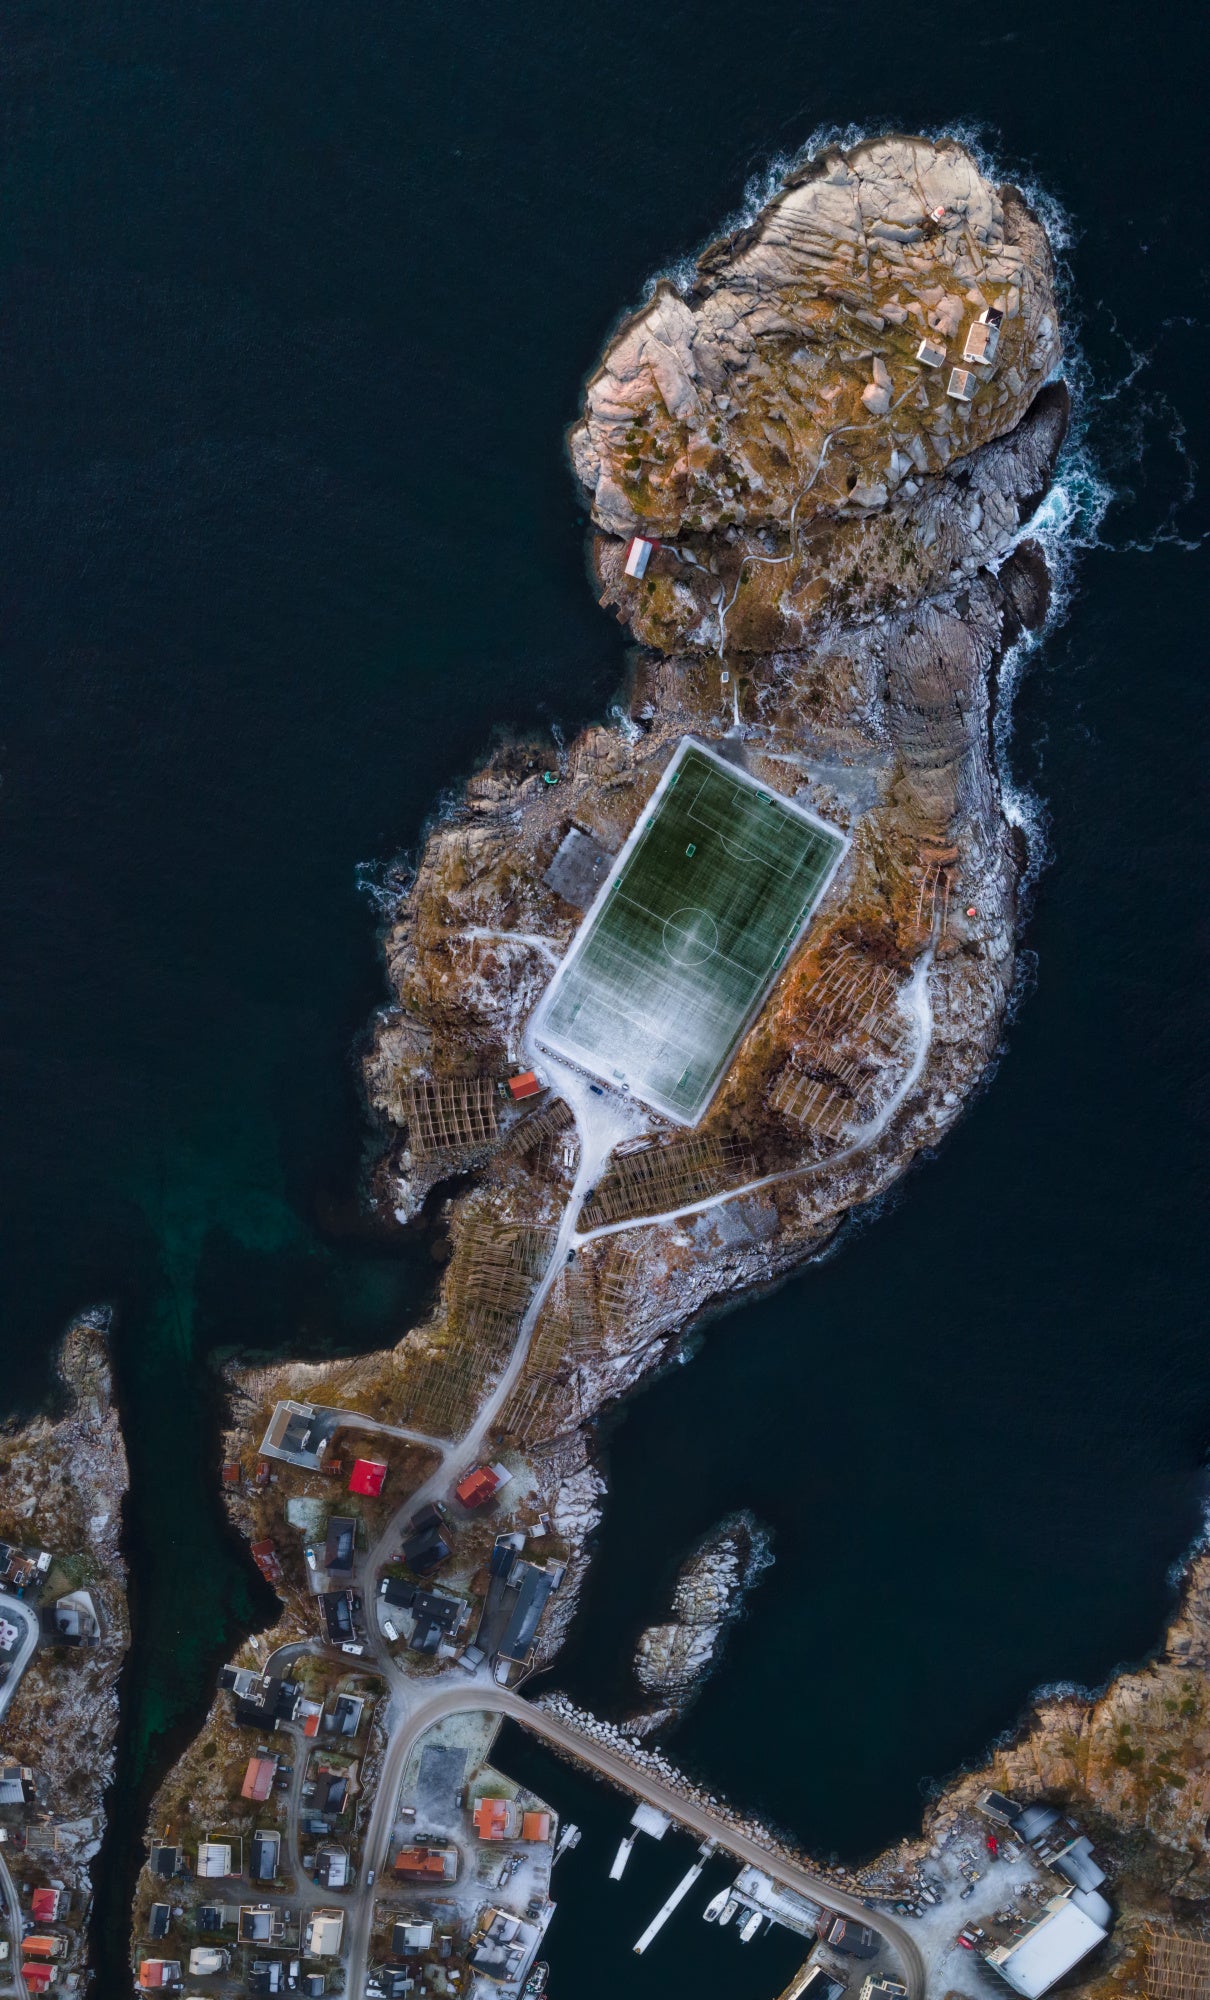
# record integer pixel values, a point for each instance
(687, 934)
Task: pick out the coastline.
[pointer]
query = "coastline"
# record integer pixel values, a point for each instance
(469, 947)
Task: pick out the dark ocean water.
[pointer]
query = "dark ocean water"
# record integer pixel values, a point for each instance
(295, 302)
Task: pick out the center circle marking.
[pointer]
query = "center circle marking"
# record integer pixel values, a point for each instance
(690, 936)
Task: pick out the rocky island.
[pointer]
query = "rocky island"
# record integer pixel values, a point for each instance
(672, 1660)
(667, 1004)
(64, 1633)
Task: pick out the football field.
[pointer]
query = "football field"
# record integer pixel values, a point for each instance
(688, 932)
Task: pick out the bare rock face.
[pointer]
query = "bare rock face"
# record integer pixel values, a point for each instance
(807, 378)
(63, 1481)
(672, 1660)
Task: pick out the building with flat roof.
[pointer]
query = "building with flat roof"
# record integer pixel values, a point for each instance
(411, 1934)
(1069, 1928)
(213, 1860)
(323, 1934)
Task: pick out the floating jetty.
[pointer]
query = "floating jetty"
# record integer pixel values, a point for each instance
(678, 1896)
(644, 1819)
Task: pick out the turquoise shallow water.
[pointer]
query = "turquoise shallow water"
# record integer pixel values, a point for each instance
(294, 307)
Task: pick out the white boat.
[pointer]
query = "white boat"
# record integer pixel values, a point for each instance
(715, 1907)
(729, 1909)
(753, 1924)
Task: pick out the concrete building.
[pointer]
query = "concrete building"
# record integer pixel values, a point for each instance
(206, 1959)
(411, 1934)
(324, 1931)
(213, 1860)
(1071, 1926)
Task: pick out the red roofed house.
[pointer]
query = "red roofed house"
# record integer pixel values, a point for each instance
(525, 1085)
(44, 1905)
(367, 1477)
(264, 1555)
(476, 1487)
(51, 1946)
(427, 1864)
(258, 1778)
(37, 1977)
(156, 1972)
(535, 1826)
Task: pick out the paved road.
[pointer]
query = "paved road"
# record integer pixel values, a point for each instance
(19, 1613)
(453, 1700)
(8, 1889)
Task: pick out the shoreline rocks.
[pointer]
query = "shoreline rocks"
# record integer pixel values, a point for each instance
(63, 1481)
(672, 1660)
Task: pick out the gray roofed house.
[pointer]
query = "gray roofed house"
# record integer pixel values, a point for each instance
(998, 1806)
(266, 1847)
(533, 1586)
(348, 1713)
(341, 1543)
(158, 1918)
(295, 1437)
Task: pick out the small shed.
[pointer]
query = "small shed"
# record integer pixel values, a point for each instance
(639, 551)
(525, 1085)
(930, 353)
(962, 385)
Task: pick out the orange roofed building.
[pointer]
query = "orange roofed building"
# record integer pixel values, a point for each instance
(535, 1826)
(496, 1819)
(427, 1864)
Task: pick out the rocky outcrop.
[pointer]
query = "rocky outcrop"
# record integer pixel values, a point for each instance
(672, 1660)
(63, 1481)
